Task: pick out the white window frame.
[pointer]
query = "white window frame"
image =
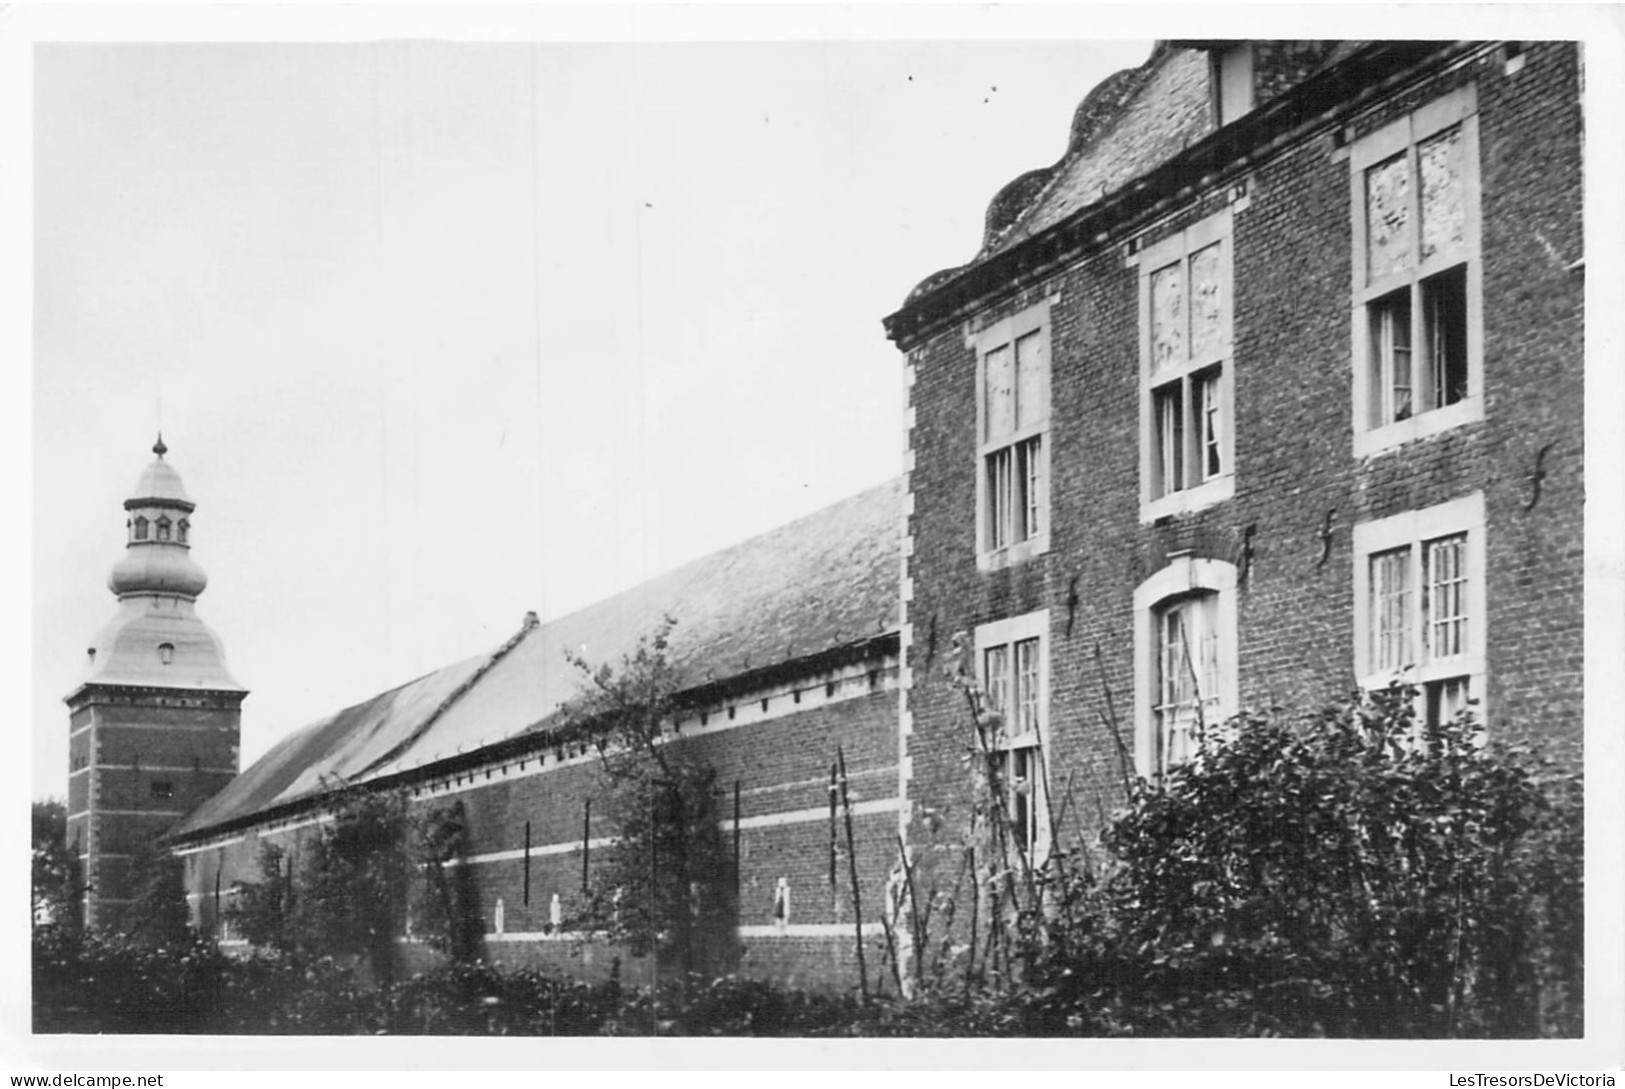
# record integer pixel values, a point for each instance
(1412, 530)
(1194, 493)
(1004, 334)
(1403, 136)
(1183, 577)
(1008, 633)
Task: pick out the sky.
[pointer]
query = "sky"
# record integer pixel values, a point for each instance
(438, 332)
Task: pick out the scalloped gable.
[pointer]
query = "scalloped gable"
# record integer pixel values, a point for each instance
(1127, 124)
(1131, 123)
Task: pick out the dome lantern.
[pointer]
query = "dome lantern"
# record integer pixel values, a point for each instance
(157, 558)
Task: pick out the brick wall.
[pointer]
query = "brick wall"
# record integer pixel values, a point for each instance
(139, 760)
(782, 766)
(1293, 453)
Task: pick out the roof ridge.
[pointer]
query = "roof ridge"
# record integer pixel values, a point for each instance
(727, 550)
(531, 624)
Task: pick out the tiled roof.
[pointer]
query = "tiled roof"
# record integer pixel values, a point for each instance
(822, 582)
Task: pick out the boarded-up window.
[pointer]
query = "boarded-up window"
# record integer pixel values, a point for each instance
(1388, 218)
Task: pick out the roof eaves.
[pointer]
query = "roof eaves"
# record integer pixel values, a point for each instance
(534, 739)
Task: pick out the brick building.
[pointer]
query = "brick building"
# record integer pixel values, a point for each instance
(788, 646)
(1271, 387)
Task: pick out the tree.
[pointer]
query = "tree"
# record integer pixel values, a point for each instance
(667, 887)
(447, 907)
(57, 878)
(157, 913)
(260, 909)
(351, 894)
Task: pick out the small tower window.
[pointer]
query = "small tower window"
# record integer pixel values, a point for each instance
(182, 530)
(166, 652)
(163, 529)
(141, 529)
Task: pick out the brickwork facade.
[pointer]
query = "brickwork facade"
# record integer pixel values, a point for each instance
(1285, 532)
(538, 829)
(140, 759)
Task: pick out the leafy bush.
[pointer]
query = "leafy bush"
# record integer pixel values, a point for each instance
(1358, 874)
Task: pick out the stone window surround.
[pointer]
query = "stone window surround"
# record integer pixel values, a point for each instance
(1412, 528)
(1035, 318)
(1008, 632)
(1182, 576)
(1404, 134)
(1218, 227)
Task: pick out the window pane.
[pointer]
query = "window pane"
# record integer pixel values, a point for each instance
(1169, 409)
(1446, 699)
(1030, 374)
(1205, 645)
(1207, 303)
(996, 671)
(1029, 488)
(1387, 217)
(1024, 785)
(1018, 772)
(1446, 588)
(1444, 315)
(1168, 317)
(1026, 722)
(1390, 610)
(999, 497)
(1000, 408)
(1444, 218)
(1391, 378)
(1209, 417)
(1188, 681)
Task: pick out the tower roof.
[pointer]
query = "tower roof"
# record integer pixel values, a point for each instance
(157, 639)
(160, 484)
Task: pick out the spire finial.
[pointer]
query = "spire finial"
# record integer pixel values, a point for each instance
(158, 447)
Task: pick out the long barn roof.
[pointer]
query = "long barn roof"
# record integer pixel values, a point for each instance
(822, 582)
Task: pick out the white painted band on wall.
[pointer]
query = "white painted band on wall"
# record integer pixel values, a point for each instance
(793, 930)
(184, 851)
(127, 813)
(535, 852)
(150, 767)
(767, 820)
(810, 930)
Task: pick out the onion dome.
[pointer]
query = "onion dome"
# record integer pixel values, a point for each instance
(157, 639)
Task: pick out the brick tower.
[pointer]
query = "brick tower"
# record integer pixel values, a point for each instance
(153, 726)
